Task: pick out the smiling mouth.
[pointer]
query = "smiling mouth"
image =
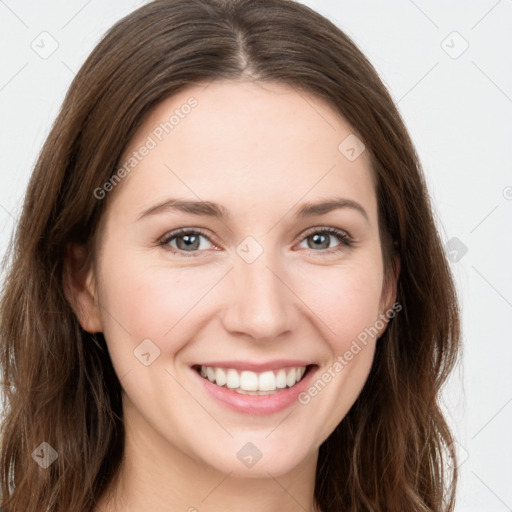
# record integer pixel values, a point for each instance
(248, 382)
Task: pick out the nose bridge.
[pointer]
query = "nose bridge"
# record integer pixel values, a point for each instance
(260, 305)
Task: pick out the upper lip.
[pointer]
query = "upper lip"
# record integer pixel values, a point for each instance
(277, 364)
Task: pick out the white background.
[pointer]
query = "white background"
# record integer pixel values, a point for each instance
(459, 113)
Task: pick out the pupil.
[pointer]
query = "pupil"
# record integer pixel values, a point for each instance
(318, 238)
(190, 241)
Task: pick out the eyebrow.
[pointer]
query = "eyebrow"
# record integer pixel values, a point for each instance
(211, 209)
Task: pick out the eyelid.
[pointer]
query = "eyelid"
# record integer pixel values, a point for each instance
(326, 229)
(346, 240)
(164, 240)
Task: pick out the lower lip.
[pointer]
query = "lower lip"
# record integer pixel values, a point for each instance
(258, 404)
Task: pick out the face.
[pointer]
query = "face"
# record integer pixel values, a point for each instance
(213, 255)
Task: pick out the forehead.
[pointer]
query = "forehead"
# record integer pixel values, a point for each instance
(242, 143)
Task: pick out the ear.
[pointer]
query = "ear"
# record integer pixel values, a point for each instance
(80, 288)
(388, 297)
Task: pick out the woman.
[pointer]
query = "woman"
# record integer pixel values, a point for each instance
(226, 289)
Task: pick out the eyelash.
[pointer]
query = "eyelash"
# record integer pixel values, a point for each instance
(345, 239)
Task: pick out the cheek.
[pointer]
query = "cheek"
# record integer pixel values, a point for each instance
(146, 301)
(345, 300)
(142, 300)
(347, 307)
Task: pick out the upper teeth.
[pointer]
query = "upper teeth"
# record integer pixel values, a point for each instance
(252, 381)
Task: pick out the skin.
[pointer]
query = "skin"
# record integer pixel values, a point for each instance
(261, 151)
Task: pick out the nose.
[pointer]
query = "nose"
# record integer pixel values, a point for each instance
(261, 302)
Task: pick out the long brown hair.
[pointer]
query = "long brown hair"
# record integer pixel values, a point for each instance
(393, 451)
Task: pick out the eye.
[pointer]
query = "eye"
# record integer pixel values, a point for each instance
(320, 238)
(187, 240)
